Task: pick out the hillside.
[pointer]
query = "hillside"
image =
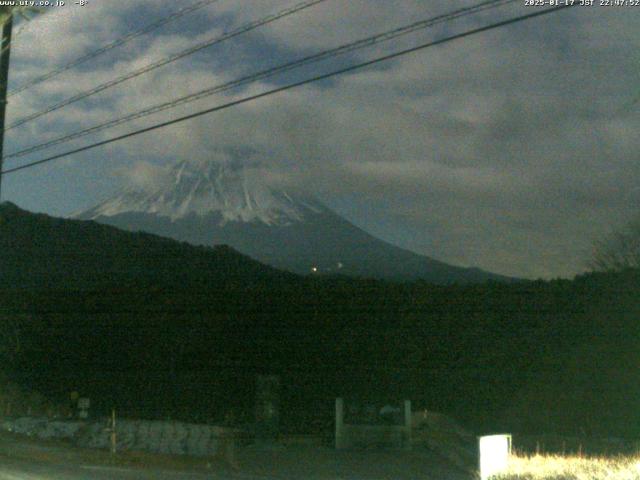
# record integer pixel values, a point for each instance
(39, 251)
(158, 328)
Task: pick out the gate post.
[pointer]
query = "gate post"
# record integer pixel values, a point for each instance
(407, 425)
(267, 408)
(340, 423)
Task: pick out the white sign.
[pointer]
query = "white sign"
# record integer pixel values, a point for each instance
(494, 454)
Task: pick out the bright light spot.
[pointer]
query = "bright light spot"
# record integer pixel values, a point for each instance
(314, 269)
(494, 455)
(340, 265)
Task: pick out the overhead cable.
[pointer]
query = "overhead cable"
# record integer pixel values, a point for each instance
(164, 61)
(110, 46)
(293, 85)
(270, 72)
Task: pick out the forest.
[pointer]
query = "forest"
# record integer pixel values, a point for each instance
(162, 329)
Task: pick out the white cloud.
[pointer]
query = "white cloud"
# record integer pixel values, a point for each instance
(143, 174)
(507, 150)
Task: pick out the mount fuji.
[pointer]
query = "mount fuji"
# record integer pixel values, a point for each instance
(213, 203)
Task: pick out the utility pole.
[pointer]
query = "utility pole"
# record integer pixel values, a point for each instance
(6, 15)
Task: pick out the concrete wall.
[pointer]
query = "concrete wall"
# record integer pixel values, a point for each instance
(372, 436)
(43, 427)
(144, 435)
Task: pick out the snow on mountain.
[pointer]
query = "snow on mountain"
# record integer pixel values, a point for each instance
(214, 203)
(234, 191)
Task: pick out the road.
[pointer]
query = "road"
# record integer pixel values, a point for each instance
(13, 469)
(18, 469)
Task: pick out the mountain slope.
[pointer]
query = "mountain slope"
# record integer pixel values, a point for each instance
(207, 203)
(39, 251)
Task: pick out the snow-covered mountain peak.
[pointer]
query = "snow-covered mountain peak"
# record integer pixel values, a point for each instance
(235, 191)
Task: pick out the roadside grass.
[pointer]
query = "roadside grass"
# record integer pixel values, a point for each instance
(574, 467)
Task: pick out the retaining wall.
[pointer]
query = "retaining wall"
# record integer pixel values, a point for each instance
(144, 435)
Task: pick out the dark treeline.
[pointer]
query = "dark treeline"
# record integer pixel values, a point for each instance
(157, 328)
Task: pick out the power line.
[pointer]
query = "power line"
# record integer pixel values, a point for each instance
(6, 28)
(27, 22)
(294, 85)
(116, 43)
(8, 12)
(362, 43)
(172, 58)
(22, 12)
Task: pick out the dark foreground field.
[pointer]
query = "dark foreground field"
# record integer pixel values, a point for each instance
(26, 459)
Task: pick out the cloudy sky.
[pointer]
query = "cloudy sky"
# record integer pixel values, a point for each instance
(511, 150)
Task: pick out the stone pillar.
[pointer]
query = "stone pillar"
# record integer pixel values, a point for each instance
(340, 440)
(83, 408)
(407, 425)
(267, 408)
